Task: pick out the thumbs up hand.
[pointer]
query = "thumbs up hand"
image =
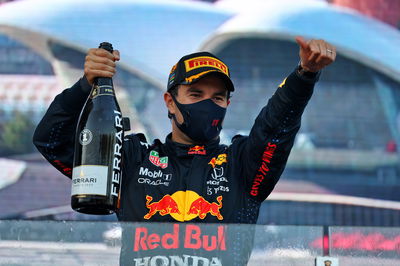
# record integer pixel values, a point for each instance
(315, 54)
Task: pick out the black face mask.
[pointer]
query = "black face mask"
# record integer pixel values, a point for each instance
(202, 121)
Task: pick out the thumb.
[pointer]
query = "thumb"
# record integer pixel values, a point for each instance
(302, 43)
(116, 55)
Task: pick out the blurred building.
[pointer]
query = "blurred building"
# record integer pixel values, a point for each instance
(385, 10)
(349, 140)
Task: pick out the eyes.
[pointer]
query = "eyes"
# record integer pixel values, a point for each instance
(198, 96)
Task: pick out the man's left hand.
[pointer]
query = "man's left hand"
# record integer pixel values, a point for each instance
(315, 54)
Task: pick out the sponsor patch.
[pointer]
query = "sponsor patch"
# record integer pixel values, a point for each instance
(171, 78)
(183, 206)
(221, 158)
(153, 177)
(177, 260)
(197, 150)
(264, 168)
(205, 61)
(188, 236)
(218, 182)
(155, 159)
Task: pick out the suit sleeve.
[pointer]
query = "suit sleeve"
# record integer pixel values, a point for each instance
(265, 151)
(54, 136)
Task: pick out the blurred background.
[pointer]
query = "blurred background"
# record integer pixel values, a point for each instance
(345, 166)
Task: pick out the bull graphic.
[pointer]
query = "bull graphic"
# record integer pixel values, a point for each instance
(202, 207)
(166, 205)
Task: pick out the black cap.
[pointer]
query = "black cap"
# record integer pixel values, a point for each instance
(192, 67)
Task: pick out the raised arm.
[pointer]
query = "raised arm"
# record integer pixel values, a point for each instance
(266, 150)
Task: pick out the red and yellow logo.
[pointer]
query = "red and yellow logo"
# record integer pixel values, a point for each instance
(184, 206)
(197, 150)
(205, 61)
(219, 160)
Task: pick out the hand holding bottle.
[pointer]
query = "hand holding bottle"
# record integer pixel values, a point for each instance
(100, 63)
(97, 168)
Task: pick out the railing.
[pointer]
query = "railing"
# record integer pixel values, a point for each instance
(100, 243)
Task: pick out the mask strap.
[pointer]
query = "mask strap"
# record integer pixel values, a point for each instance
(173, 115)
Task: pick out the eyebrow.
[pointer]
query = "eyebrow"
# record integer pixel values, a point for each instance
(221, 93)
(194, 89)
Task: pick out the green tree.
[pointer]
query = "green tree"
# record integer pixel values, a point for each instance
(16, 135)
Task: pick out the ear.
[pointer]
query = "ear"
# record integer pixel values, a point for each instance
(229, 101)
(169, 102)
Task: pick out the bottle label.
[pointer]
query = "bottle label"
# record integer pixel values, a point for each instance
(85, 137)
(89, 179)
(102, 90)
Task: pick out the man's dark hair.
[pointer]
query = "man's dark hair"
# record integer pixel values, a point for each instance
(174, 91)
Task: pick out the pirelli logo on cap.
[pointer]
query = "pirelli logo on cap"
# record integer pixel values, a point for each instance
(205, 61)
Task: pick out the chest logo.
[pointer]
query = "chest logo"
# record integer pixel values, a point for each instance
(197, 150)
(184, 206)
(221, 158)
(155, 159)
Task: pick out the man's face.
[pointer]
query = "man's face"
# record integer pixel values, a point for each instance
(209, 87)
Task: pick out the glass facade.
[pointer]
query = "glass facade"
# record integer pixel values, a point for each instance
(16, 58)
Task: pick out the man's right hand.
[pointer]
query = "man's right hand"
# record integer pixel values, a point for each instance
(100, 63)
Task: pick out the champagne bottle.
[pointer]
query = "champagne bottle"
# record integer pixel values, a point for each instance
(96, 173)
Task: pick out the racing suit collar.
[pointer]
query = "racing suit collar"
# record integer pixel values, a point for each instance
(186, 150)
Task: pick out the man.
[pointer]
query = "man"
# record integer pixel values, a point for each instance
(191, 177)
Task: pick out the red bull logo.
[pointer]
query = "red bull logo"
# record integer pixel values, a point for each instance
(202, 207)
(166, 205)
(197, 150)
(222, 158)
(184, 206)
(193, 238)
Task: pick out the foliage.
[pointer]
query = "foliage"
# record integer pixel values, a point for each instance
(16, 135)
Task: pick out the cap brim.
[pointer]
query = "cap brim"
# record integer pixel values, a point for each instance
(228, 82)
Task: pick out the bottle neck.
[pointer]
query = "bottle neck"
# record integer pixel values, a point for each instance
(104, 81)
(102, 87)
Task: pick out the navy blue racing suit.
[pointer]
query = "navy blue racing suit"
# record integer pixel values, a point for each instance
(172, 182)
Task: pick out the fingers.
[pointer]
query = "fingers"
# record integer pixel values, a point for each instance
(302, 43)
(94, 73)
(315, 51)
(100, 60)
(320, 54)
(116, 55)
(101, 67)
(331, 52)
(323, 52)
(100, 63)
(328, 53)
